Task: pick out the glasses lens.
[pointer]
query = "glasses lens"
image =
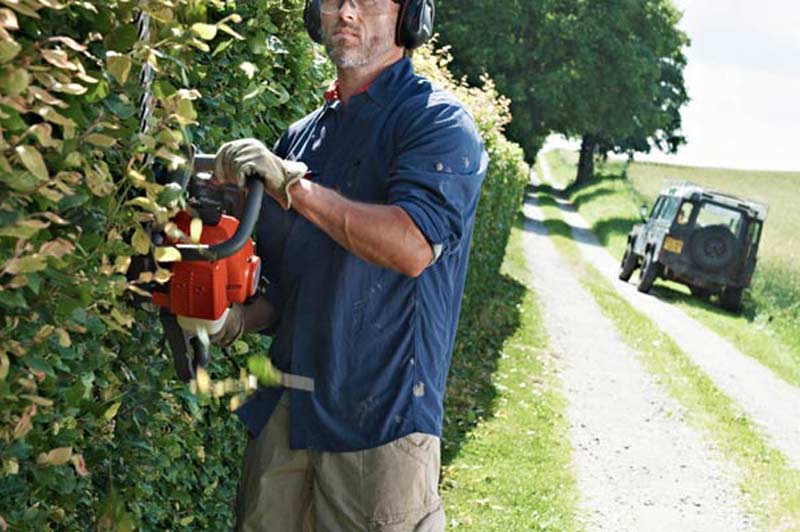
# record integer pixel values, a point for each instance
(331, 7)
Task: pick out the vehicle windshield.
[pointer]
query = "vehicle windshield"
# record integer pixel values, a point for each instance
(715, 214)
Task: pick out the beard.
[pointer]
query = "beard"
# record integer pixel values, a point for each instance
(355, 56)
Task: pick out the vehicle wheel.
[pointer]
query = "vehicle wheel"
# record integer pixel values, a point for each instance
(648, 273)
(731, 299)
(713, 248)
(629, 263)
(700, 292)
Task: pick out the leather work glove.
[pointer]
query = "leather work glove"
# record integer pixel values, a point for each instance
(232, 329)
(238, 159)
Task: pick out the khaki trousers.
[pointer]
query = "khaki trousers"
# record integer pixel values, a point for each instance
(391, 488)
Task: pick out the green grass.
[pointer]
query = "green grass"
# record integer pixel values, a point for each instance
(770, 488)
(769, 327)
(512, 472)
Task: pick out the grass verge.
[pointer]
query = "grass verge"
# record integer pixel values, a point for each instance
(770, 487)
(513, 470)
(768, 329)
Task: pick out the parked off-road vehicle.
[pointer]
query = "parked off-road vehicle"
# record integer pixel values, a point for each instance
(704, 239)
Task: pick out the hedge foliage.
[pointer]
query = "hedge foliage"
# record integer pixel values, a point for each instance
(95, 432)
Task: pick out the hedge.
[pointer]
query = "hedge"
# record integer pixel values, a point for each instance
(95, 432)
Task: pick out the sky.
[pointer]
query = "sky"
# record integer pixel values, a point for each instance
(743, 78)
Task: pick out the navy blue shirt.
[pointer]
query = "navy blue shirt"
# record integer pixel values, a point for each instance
(376, 342)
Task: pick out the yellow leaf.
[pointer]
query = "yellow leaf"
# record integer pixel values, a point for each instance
(69, 42)
(104, 141)
(35, 399)
(145, 277)
(56, 457)
(162, 276)
(185, 109)
(33, 161)
(143, 203)
(121, 264)
(14, 81)
(167, 254)
(24, 425)
(249, 69)
(27, 264)
(57, 248)
(112, 411)
(203, 381)
(8, 19)
(63, 337)
(195, 230)
(59, 58)
(69, 88)
(119, 65)
(8, 50)
(98, 179)
(205, 31)
(126, 320)
(140, 242)
(80, 465)
(227, 29)
(49, 114)
(5, 364)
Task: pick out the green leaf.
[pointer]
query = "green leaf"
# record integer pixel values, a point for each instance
(8, 50)
(33, 161)
(20, 181)
(104, 141)
(119, 66)
(14, 81)
(205, 31)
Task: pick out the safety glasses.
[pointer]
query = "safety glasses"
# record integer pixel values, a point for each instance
(367, 7)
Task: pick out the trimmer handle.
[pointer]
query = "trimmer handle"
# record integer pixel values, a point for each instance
(204, 163)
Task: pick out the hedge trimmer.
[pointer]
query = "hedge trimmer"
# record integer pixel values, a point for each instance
(211, 259)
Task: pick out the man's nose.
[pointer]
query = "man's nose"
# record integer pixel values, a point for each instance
(348, 10)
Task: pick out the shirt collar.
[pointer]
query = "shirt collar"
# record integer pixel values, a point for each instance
(381, 88)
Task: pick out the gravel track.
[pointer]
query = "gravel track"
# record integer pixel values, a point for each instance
(638, 465)
(770, 402)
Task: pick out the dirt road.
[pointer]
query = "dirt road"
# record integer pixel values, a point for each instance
(638, 465)
(769, 401)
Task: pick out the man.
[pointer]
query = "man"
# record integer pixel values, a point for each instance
(364, 238)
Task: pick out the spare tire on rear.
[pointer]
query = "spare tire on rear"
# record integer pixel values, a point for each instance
(713, 248)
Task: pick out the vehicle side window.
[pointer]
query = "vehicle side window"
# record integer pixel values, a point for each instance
(684, 213)
(670, 208)
(657, 207)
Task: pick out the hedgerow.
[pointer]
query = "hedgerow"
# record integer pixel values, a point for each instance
(95, 432)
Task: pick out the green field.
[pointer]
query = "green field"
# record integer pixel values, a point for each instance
(768, 329)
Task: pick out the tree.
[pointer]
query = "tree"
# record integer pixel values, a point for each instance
(607, 71)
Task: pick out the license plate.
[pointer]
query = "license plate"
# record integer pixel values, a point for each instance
(673, 245)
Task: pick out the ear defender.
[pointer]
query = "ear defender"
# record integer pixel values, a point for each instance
(414, 22)
(312, 17)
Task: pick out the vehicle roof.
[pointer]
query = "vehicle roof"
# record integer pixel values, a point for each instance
(693, 191)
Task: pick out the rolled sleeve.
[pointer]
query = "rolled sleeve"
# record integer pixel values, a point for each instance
(437, 173)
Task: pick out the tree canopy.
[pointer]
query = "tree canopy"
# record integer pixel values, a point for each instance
(608, 71)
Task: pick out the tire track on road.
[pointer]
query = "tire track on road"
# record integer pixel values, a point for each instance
(772, 403)
(638, 465)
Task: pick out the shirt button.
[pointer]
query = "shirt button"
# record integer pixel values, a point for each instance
(439, 167)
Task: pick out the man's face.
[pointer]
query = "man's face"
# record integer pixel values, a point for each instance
(356, 37)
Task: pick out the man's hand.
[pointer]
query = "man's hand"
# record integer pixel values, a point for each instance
(232, 329)
(237, 160)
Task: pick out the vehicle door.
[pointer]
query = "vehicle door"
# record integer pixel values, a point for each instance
(646, 234)
(662, 223)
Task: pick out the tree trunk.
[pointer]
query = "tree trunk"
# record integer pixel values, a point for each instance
(586, 162)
